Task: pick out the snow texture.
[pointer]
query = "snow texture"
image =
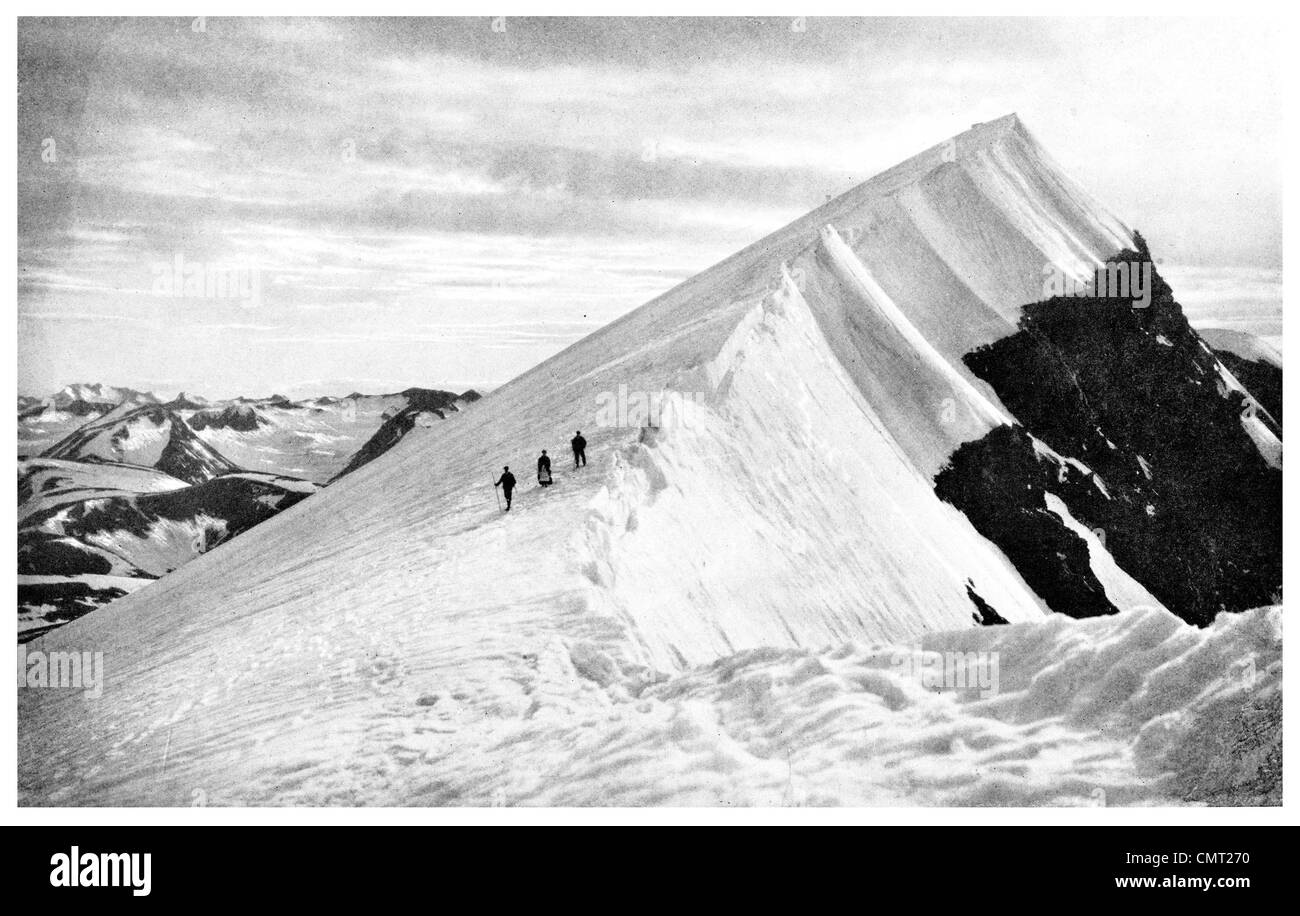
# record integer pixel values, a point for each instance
(718, 609)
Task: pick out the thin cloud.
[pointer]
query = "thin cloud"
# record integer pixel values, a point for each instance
(564, 170)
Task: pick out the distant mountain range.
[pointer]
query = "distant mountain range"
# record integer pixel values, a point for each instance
(313, 438)
(120, 488)
(148, 436)
(423, 409)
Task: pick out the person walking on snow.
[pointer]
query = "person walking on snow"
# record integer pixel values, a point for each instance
(579, 450)
(544, 469)
(507, 484)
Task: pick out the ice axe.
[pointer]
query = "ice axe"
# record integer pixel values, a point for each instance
(497, 495)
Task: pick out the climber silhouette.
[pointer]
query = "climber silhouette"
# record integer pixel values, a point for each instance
(579, 449)
(544, 469)
(507, 485)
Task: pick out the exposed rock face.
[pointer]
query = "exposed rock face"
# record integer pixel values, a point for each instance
(1165, 463)
(421, 402)
(241, 417)
(151, 436)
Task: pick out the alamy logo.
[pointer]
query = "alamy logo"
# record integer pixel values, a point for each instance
(645, 408)
(1112, 280)
(79, 670)
(104, 869)
(181, 279)
(949, 671)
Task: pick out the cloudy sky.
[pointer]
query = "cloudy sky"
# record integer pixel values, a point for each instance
(447, 202)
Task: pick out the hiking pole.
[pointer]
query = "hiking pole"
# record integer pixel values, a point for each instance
(497, 495)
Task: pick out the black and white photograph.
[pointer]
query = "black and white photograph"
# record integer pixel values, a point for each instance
(707, 413)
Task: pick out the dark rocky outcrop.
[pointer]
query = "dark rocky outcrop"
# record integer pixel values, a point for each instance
(68, 539)
(1262, 379)
(240, 417)
(418, 401)
(1193, 511)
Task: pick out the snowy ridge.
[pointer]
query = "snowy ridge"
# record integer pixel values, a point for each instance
(396, 632)
(150, 436)
(47, 482)
(95, 393)
(840, 531)
(928, 405)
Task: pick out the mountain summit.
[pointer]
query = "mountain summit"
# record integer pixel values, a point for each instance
(151, 436)
(865, 428)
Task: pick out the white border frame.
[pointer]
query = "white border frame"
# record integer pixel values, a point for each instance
(1282, 50)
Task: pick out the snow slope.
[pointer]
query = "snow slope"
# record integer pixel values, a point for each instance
(41, 427)
(47, 482)
(675, 622)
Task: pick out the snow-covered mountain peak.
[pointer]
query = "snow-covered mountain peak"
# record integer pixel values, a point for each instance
(765, 444)
(97, 393)
(149, 436)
